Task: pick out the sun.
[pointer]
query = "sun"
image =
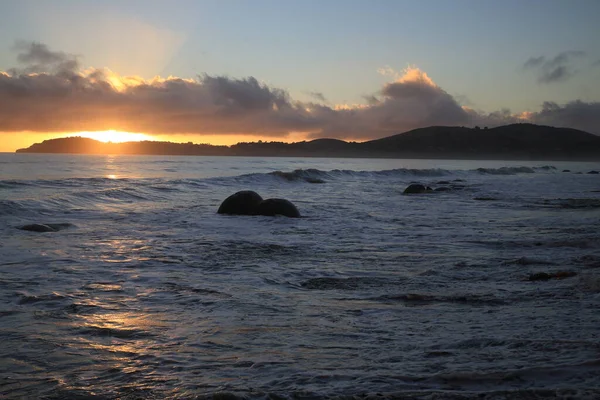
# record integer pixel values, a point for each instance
(114, 136)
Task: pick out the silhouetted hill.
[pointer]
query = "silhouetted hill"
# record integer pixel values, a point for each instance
(80, 145)
(520, 141)
(516, 141)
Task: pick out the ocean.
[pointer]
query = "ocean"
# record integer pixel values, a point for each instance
(487, 287)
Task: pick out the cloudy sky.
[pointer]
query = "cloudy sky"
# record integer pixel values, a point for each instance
(223, 71)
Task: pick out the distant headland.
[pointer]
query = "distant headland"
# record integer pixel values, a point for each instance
(510, 142)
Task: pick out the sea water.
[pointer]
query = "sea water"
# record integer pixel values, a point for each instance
(149, 293)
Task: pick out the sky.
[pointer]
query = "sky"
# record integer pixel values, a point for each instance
(226, 71)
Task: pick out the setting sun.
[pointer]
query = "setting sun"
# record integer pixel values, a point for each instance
(114, 136)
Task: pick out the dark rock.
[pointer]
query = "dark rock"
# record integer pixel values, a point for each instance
(530, 261)
(443, 183)
(484, 198)
(539, 276)
(564, 274)
(566, 170)
(544, 276)
(44, 227)
(272, 207)
(594, 172)
(37, 228)
(248, 202)
(241, 203)
(589, 261)
(416, 188)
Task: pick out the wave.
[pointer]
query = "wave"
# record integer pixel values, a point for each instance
(115, 332)
(506, 170)
(309, 175)
(318, 176)
(415, 299)
(25, 298)
(11, 184)
(350, 283)
(574, 203)
(9, 207)
(550, 376)
(409, 393)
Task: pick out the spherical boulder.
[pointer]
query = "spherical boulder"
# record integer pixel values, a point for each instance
(272, 207)
(241, 203)
(416, 188)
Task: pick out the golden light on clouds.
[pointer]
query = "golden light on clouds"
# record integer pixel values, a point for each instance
(409, 74)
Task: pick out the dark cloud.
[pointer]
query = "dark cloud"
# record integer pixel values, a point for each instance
(462, 99)
(371, 100)
(534, 62)
(210, 104)
(556, 74)
(318, 96)
(496, 118)
(411, 102)
(554, 69)
(564, 57)
(575, 114)
(65, 99)
(51, 94)
(38, 58)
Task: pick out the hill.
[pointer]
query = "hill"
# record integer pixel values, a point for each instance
(516, 141)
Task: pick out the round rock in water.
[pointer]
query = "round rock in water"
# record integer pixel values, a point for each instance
(272, 207)
(416, 188)
(241, 203)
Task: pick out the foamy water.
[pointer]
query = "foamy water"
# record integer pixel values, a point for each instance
(151, 294)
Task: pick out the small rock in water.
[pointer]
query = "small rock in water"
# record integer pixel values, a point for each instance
(416, 188)
(594, 172)
(44, 227)
(37, 228)
(544, 276)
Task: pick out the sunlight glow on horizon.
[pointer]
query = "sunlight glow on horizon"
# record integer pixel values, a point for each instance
(113, 136)
(17, 140)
